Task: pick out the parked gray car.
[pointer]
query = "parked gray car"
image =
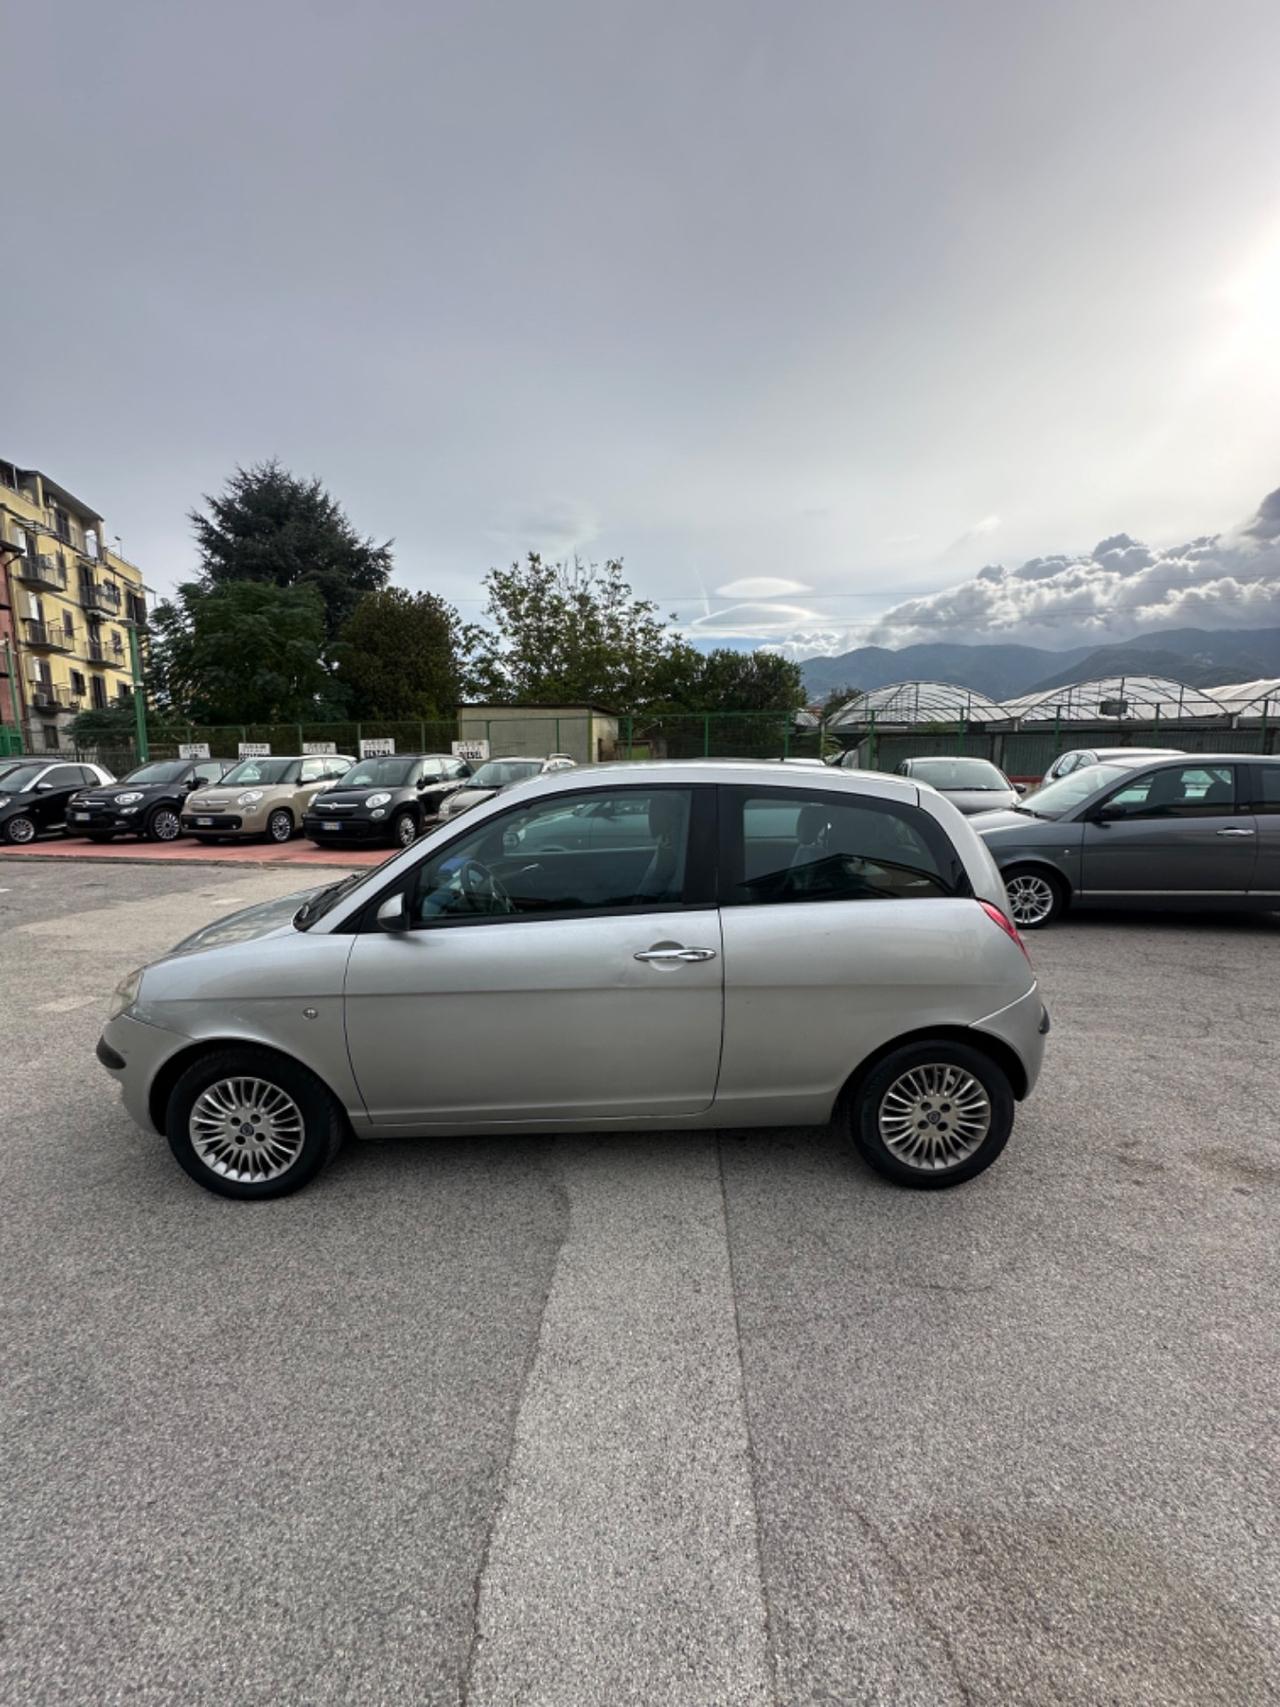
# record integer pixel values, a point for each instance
(971, 785)
(1075, 758)
(630, 947)
(1187, 831)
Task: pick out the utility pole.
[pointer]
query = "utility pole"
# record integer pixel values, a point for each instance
(139, 699)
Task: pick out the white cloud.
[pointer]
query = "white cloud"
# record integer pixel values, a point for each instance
(1121, 587)
(761, 587)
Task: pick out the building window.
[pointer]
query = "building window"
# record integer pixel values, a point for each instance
(68, 627)
(77, 684)
(50, 731)
(98, 693)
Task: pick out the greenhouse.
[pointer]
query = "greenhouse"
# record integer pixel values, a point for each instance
(1250, 699)
(908, 703)
(1133, 699)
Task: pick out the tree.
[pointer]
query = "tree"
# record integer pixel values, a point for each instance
(569, 634)
(107, 726)
(270, 525)
(243, 652)
(746, 681)
(399, 655)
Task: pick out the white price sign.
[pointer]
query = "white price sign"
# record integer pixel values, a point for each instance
(319, 747)
(255, 749)
(476, 750)
(193, 750)
(377, 749)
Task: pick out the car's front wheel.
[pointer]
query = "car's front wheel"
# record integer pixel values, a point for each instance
(20, 830)
(246, 1123)
(932, 1114)
(404, 829)
(1036, 896)
(163, 825)
(280, 825)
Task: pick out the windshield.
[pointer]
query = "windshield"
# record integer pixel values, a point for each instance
(262, 770)
(499, 772)
(378, 773)
(164, 770)
(21, 778)
(959, 773)
(1055, 798)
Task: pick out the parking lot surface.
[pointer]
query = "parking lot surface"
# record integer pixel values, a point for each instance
(648, 1419)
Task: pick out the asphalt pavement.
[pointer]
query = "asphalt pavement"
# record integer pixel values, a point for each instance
(666, 1419)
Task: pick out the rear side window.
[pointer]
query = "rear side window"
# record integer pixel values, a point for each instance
(1266, 793)
(786, 845)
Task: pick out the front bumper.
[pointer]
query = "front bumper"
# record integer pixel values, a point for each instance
(323, 830)
(133, 1054)
(105, 820)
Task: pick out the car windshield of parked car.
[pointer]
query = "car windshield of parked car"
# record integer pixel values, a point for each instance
(976, 774)
(1057, 798)
(161, 770)
(387, 772)
(263, 771)
(499, 772)
(20, 779)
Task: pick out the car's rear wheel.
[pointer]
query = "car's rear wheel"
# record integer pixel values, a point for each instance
(932, 1114)
(163, 825)
(245, 1123)
(280, 825)
(404, 829)
(1036, 897)
(20, 830)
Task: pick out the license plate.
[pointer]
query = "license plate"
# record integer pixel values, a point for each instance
(204, 820)
(81, 817)
(332, 826)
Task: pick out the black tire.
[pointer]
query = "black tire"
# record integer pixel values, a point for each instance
(162, 825)
(863, 1111)
(20, 830)
(324, 1125)
(1033, 880)
(280, 825)
(401, 838)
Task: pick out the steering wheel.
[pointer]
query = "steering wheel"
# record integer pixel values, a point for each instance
(480, 890)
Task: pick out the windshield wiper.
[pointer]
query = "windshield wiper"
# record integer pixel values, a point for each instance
(311, 910)
(1027, 812)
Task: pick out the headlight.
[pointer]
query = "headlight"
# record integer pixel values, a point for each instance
(377, 800)
(126, 994)
(127, 799)
(249, 796)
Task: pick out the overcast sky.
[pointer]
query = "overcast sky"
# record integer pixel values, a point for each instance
(856, 297)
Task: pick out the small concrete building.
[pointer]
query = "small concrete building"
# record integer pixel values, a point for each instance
(588, 734)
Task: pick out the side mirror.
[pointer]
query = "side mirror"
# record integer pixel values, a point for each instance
(1019, 788)
(43, 787)
(393, 915)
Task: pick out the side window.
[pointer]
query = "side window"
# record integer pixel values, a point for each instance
(1266, 791)
(1178, 791)
(209, 770)
(65, 776)
(430, 770)
(315, 770)
(334, 768)
(789, 846)
(523, 865)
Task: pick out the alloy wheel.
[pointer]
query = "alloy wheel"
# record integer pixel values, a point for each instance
(279, 826)
(246, 1129)
(406, 830)
(165, 826)
(1031, 898)
(20, 830)
(934, 1116)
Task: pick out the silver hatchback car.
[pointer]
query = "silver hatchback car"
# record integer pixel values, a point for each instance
(724, 944)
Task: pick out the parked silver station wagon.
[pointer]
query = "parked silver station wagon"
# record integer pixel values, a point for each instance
(710, 944)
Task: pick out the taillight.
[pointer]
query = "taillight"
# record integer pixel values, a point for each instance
(1006, 924)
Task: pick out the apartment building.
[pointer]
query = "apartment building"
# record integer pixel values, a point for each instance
(66, 601)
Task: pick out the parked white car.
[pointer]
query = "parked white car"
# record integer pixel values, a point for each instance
(719, 944)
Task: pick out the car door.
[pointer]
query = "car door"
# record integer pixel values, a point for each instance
(845, 923)
(579, 985)
(52, 792)
(1265, 800)
(1177, 831)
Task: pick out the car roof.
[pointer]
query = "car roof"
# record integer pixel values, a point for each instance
(767, 772)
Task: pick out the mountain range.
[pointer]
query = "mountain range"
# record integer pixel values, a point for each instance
(1200, 657)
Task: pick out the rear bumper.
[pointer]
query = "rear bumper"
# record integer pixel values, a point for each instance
(1023, 1026)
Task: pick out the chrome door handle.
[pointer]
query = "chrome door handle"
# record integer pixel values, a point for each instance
(1235, 832)
(668, 954)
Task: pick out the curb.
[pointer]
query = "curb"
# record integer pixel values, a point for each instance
(179, 864)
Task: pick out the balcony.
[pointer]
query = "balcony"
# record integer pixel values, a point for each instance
(42, 571)
(47, 636)
(45, 697)
(99, 600)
